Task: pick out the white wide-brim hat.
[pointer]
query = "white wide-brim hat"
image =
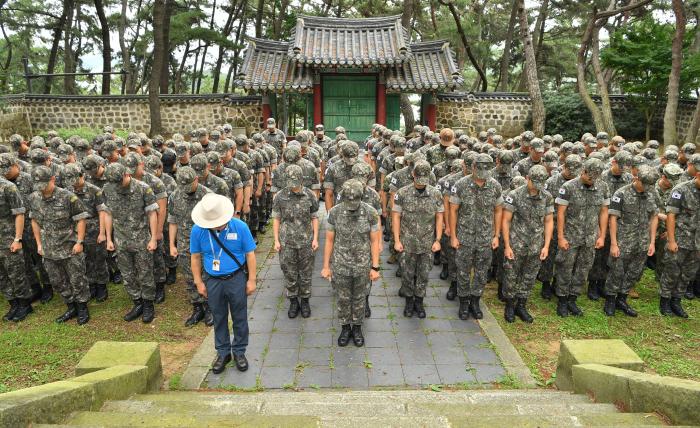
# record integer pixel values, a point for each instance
(212, 211)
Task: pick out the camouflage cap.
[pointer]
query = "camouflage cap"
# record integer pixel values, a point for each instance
(37, 145)
(551, 158)
(91, 162)
(319, 127)
(295, 176)
(223, 146)
(630, 147)
(567, 147)
(452, 152)
(181, 148)
(573, 163)
(38, 156)
(362, 171)
(505, 157)
(639, 160)
(82, 145)
(153, 163)
(590, 141)
(456, 165)
(538, 175)
(517, 181)
(537, 145)
(41, 175)
(653, 144)
(695, 160)
(352, 194)
(184, 177)
(421, 172)
(271, 122)
(688, 148)
(114, 172)
(339, 130)
(597, 155)
(202, 132)
(528, 136)
(399, 162)
(602, 136)
(649, 153)
(70, 175)
(214, 159)
(647, 175)
(108, 147)
(593, 167)
(131, 161)
(257, 137)
(215, 135)
(491, 131)
(623, 158)
(468, 157)
(63, 151)
(240, 140)
(557, 139)
(482, 165)
(199, 163)
(673, 172)
(349, 151)
(671, 155)
(15, 140)
(618, 141)
(227, 128)
(7, 160)
(196, 148)
(133, 143)
(292, 154)
(400, 144)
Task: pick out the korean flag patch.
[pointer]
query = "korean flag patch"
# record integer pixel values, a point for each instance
(396, 197)
(562, 191)
(676, 195)
(438, 187)
(509, 199)
(454, 189)
(616, 199)
(393, 181)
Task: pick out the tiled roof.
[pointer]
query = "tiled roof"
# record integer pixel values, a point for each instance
(267, 67)
(476, 97)
(349, 42)
(432, 68)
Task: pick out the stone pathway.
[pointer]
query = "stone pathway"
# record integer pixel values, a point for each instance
(399, 351)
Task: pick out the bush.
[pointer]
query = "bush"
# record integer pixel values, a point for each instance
(86, 133)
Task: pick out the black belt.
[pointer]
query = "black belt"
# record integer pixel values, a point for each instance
(225, 277)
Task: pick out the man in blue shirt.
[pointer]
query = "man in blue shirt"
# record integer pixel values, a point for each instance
(223, 252)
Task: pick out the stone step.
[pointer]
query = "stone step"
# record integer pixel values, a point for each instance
(176, 420)
(545, 421)
(233, 406)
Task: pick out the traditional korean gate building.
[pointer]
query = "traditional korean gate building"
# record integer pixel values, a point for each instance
(352, 71)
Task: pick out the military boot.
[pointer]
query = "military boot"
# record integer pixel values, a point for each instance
(117, 277)
(622, 305)
(696, 287)
(71, 313)
(677, 307)
(368, 310)
(293, 307)
(665, 306)
(593, 290)
(509, 311)
(149, 312)
(305, 307)
(391, 260)
(402, 293)
(475, 308)
(24, 308)
(83, 313)
(547, 291)
(36, 292)
(14, 304)
(601, 287)
(690, 291)
(418, 307)
(46, 293)
(171, 276)
(357, 338)
(463, 311)
(452, 291)
(521, 311)
(573, 308)
(445, 272)
(408, 309)
(196, 316)
(610, 305)
(102, 293)
(135, 311)
(562, 306)
(93, 291)
(436, 259)
(160, 293)
(344, 337)
(501, 296)
(208, 316)
(399, 272)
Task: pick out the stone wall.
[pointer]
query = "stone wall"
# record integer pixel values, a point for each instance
(179, 113)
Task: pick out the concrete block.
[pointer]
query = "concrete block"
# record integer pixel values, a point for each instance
(116, 383)
(105, 354)
(606, 384)
(47, 403)
(609, 352)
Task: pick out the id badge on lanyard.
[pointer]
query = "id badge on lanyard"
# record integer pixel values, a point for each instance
(216, 262)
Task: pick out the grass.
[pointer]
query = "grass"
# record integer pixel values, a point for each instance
(38, 351)
(670, 346)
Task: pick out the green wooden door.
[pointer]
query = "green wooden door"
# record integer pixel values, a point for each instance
(350, 102)
(393, 111)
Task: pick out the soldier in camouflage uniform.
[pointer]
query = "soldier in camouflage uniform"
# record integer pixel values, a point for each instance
(58, 222)
(417, 223)
(321, 138)
(350, 256)
(572, 168)
(527, 234)
(633, 221)
(20, 146)
(226, 149)
(615, 177)
(95, 249)
(534, 157)
(670, 176)
(445, 187)
(295, 228)
(200, 164)
(180, 205)
(339, 172)
(132, 214)
(155, 166)
(476, 204)
(683, 243)
(582, 220)
(12, 218)
(231, 177)
(258, 171)
(275, 137)
(436, 153)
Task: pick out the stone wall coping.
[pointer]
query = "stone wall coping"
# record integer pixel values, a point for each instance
(230, 99)
(522, 96)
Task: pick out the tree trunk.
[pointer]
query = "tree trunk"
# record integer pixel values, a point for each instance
(159, 53)
(606, 108)
(407, 112)
(68, 62)
(465, 42)
(106, 48)
(124, 50)
(222, 51)
(538, 112)
(57, 31)
(670, 134)
(536, 42)
(505, 61)
(164, 69)
(259, 17)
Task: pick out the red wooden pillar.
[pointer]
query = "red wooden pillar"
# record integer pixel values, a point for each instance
(431, 113)
(266, 110)
(318, 105)
(381, 101)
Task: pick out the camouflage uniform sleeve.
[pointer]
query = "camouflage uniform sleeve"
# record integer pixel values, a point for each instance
(437, 196)
(454, 195)
(372, 182)
(549, 206)
(275, 206)
(373, 219)
(398, 202)
(392, 185)
(14, 200)
(616, 204)
(77, 209)
(315, 182)
(328, 179)
(149, 200)
(509, 202)
(171, 209)
(32, 205)
(259, 164)
(332, 219)
(563, 196)
(159, 190)
(675, 201)
(499, 193)
(314, 205)
(100, 201)
(606, 194)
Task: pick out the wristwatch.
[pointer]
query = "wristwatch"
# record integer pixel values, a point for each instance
(18, 239)
(79, 241)
(375, 268)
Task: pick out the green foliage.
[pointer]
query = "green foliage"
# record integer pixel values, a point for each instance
(566, 115)
(87, 133)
